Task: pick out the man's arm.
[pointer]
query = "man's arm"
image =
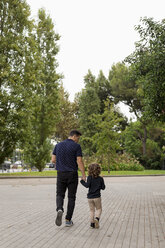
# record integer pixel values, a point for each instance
(53, 159)
(81, 167)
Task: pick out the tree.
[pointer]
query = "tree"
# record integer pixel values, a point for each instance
(46, 98)
(92, 102)
(134, 141)
(148, 66)
(125, 89)
(16, 66)
(104, 90)
(106, 138)
(68, 118)
(89, 104)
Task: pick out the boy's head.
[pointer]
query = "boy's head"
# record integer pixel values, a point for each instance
(94, 170)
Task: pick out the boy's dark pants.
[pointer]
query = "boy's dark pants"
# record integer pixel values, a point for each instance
(66, 180)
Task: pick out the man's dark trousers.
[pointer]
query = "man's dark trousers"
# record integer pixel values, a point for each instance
(66, 180)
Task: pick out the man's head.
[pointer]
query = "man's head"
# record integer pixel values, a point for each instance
(75, 135)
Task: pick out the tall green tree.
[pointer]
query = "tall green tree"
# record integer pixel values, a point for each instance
(106, 138)
(89, 104)
(68, 116)
(125, 89)
(46, 98)
(147, 62)
(92, 101)
(16, 59)
(104, 90)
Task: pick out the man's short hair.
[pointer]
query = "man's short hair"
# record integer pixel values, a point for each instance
(75, 132)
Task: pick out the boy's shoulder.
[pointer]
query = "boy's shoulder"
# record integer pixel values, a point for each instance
(95, 178)
(101, 178)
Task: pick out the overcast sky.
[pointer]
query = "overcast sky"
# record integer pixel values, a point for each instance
(95, 33)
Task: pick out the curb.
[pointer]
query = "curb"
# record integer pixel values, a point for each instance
(25, 177)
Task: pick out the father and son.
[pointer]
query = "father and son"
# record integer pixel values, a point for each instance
(67, 156)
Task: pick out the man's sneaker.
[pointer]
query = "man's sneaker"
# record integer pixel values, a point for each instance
(59, 218)
(68, 223)
(96, 223)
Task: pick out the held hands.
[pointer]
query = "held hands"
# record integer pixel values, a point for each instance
(83, 178)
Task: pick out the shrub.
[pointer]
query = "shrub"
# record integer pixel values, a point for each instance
(122, 162)
(126, 162)
(129, 167)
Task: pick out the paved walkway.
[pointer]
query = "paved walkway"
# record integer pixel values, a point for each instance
(133, 215)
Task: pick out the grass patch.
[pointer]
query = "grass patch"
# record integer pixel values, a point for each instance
(31, 174)
(127, 173)
(104, 173)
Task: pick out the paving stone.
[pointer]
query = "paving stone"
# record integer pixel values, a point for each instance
(133, 215)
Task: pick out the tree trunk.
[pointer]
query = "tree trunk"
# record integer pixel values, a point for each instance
(144, 141)
(108, 164)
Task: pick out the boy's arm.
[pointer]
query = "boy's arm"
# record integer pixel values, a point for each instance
(103, 184)
(86, 184)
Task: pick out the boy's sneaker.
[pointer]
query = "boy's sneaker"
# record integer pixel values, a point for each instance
(68, 223)
(96, 223)
(59, 217)
(92, 225)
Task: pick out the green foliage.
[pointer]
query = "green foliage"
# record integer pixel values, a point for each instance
(68, 119)
(107, 136)
(16, 53)
(89, 104)
(147, 63)
(103, 90)
(38, 154)
(120, 162)
(133, 143)
(127, 167)
(45, 99)
(125, 88)
(33, 108)
(126, 162)
(139, 140)
(132, 139)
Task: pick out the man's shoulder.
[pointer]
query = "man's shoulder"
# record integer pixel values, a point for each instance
(61, 143)
(72, 143)
(68, 142)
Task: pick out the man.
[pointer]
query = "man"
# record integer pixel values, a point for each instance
(67, 156)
